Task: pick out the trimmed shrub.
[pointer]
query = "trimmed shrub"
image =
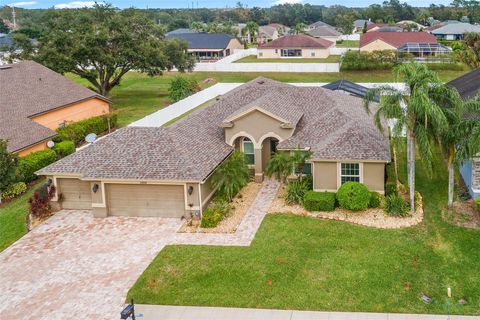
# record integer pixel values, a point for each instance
(390, 188)
(35, 161)
(215, 213)
(77, 131)
(296, 190)
(353, 196)
(64, 148)
(14, 190)
(319, 201)
(39, 203)
(375, 200)
(396, 206)
(376, 60)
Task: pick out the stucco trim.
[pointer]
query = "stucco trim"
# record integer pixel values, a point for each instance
(250, 110)
(269, 135)
(242, 134)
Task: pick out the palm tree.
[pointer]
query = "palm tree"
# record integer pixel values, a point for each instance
(299, 28)
(231, 175)
(417, 109)
(280, 166)
(460, 142)
(252, 29)
(298, 158)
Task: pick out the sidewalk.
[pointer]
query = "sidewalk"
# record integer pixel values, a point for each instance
(154, 312)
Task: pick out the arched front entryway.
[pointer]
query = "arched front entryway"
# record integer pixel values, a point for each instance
(258, 153)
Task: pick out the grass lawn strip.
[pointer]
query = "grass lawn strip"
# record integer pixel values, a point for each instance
(254, 59)
(309, 264)
(12, 218)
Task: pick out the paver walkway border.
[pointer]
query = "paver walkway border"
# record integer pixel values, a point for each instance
(151, 312)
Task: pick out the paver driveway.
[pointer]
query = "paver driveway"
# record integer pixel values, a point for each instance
(74, 266)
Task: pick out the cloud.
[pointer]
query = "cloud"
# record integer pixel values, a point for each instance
(287, 1)
(76, 5)
(22, 3)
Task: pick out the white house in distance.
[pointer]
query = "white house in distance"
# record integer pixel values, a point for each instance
(295, 46)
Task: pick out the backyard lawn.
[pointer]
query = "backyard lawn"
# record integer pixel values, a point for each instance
(348, 44)
(254, 59)
(12, 219)
(310, 264)
(139, 95)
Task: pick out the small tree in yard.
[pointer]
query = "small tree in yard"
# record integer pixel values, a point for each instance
(299, 158)
(8, 167)
(231, 176)
(181, 87)
(280, 166)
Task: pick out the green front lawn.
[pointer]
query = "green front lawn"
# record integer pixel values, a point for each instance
(310, 264)
(348, 44)
(12, 218)
(139, 95)
(254, 59)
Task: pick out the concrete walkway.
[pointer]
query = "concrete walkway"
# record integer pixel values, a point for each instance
(151, 312)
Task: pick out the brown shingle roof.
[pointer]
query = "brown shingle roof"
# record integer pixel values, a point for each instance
(297, 41)
(333, 125)
(468, 85)
(27, 89)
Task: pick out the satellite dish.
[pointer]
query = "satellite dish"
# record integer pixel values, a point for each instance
(91, 137)
(50, 144)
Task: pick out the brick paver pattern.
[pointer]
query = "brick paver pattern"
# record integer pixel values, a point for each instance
(75, 266)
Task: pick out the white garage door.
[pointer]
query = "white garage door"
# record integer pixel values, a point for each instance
(75, 194)
(145, 200)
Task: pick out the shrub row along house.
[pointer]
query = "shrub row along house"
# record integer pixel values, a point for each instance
(419, 44)
(206, 46)
(295, 46)
(35, 101)
(152, 171)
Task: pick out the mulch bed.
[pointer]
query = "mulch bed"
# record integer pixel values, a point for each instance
(463, 214)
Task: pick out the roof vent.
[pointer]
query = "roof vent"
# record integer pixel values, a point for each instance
(261, 82)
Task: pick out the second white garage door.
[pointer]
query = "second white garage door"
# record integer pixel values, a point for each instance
(138, 200)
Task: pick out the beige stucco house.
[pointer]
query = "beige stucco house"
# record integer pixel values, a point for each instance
(295, 46)
(166, 172)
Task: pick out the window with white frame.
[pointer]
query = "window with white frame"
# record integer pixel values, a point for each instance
(350, 172)
(247, 146)
(312, 54)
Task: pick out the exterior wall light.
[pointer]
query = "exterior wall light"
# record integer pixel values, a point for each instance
(49, 182)
(95, 188)
(190, 190)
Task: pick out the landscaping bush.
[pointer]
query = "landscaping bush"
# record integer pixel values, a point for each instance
(353, 196)
(377, 60)
(296, 190)
(215, 213)
(319, 201)
(391, 184)
(231, 176)
(477, 204)
(14, 190)
(375, 200)
(64, 148)
(396, 206)
(181, 87)
(39, 203)
(35, 161)
(77, 131)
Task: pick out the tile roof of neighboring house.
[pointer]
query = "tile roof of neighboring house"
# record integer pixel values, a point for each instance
(468, 85)
(456, 28)
(360, 23)
(297, 41)
(334, 126)
(278, 26)
(202, 40)
(267, 30)
(397, 39)
(180, 31)
(376, 25)
(28, 89)
(324, 32)
(319, 24)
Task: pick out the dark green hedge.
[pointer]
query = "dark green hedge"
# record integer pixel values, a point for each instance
(353, 196)
(33, 162)
(77, 131)
(319, 201)
(64, 148)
